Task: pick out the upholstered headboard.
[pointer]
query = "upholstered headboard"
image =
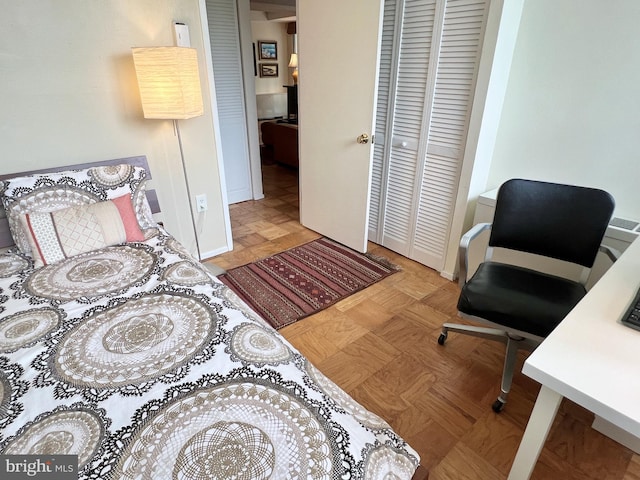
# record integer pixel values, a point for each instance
(6, 239)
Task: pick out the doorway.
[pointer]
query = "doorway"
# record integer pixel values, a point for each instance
(274, 23)
(348, 175)
(250, 86)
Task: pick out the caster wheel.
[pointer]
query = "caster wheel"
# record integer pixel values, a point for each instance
(497, 406)
(442, 338)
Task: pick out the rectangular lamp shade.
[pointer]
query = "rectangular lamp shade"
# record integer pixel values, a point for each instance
(169, 82)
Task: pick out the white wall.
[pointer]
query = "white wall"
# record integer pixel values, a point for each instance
(571, 112)
(69, 95)
(262, 30)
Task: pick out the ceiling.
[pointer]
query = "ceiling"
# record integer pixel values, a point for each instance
(281, 10)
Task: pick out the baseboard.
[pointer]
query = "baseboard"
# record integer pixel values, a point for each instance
(214, 253)
(448, 275)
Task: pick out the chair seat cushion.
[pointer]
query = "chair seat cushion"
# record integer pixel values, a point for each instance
(519, 298)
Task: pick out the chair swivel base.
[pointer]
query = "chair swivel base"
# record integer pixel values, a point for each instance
(512, 343)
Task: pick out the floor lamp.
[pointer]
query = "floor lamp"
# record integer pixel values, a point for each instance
(169, 85)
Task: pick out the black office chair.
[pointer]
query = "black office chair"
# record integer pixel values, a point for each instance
(557, 221)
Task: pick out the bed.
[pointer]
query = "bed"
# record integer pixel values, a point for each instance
(127, 352)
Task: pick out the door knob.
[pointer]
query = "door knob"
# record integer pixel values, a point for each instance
(364, 138)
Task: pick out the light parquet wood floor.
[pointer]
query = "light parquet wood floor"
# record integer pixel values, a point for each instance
(380, 346)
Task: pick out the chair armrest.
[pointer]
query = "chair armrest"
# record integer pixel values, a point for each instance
(463, 251)
(610, 252)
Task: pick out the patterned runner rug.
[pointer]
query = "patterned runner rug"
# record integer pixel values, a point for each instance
(301, 281)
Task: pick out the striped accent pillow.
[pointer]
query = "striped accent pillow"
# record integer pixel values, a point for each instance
(54, 236)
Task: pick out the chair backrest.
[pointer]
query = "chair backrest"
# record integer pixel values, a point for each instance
(565, 222)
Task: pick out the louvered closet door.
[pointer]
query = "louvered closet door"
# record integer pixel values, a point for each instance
(222, 17)
(433, 48)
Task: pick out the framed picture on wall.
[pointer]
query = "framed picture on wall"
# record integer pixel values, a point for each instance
(268, 69)
(268, 50)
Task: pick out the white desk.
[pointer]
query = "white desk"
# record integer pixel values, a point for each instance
(590, 358)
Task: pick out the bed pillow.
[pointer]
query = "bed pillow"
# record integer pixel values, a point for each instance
(49, 192)
(118, 179)
(54, 236)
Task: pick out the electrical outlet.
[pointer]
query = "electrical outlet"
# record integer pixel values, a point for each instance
(201, 203)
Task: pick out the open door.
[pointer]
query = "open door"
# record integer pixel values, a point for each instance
(338, 51)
